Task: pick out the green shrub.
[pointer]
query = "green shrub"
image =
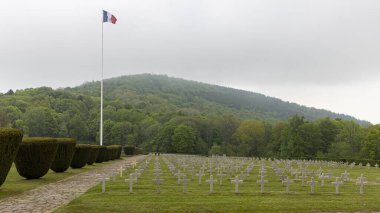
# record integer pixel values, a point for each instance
(102, 154)
(65, 153)
(110, 153)
(93, 154)
(81, 155)
(129, 150)
(113, 152)
(119, 150)
(10, 140)
(35, 157)
(138, 151)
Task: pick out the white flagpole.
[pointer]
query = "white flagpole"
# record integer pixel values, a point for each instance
(101, 94)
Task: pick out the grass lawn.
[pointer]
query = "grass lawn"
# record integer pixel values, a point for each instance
(15, 184)
(249, 199)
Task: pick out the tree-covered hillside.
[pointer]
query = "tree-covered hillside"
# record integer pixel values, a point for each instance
(159, 113)
(199, 98)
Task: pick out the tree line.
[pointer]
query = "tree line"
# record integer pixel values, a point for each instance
(167, 121)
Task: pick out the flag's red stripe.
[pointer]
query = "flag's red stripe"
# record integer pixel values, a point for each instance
(113, 19)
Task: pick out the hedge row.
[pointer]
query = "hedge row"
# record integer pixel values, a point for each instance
(113, 152)
(64, 155)
(93, 154)
(10, 140)
(35, 156)
(102, 155)
(81, 156)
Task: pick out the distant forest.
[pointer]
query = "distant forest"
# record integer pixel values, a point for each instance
(160, 113)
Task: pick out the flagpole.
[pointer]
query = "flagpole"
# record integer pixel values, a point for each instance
(101, 95)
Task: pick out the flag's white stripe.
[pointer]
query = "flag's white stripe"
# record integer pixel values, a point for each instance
(109, 15)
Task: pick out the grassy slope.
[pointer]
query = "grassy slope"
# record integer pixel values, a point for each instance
(15, 184)
(197, 199)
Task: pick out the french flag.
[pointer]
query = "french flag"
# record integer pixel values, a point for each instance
(108, 17)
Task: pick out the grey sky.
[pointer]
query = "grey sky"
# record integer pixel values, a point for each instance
(322, 53)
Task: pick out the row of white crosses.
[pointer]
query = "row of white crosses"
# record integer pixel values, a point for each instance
(133, 177)
(238, 165)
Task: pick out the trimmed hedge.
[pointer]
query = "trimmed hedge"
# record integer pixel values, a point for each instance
(138, 151)
(65, 153)
(81, 155)
(102, 154)
(93, 154)
(113, 152)
(119, 150)
(35, 157)
(129, 150)
(10, 140)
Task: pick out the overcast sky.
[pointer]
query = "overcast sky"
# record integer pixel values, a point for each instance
(321, 53)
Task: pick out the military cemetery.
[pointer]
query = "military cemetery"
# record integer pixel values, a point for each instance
(190, 106)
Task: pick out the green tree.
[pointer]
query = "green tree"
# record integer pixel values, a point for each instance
(41, 122)
(183, 139)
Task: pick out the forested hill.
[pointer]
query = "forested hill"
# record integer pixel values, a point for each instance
(162, 93)
(159, 113)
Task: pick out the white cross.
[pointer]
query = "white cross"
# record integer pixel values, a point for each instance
(236, 181)
(288, 181)
(131, 179)
(121, 171)
(345, 176)
(337, 183)
(178, 174)
(312, 183)
(184, 182)
(262, 182)
(158, 183)
(104, 184)
(361, 182)
(211, 181)
(134, 163)
(221, 175)
(200, 174)
(322, 177)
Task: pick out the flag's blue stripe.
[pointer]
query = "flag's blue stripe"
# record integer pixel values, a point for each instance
(105, 17)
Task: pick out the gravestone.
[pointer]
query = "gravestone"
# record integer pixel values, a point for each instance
(337, 184)
(200, 174)
(211, 181)
(361, 182)
(185, 180)
(131, 180)
(262, 182)
(104, 179)
(236, 181)
(221, 175)
(288, 182)
(158, 183)
(121, 171)
(312, 183)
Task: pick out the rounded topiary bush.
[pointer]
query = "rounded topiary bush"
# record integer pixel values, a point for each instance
(10, 140)
(138, 151)
(109, 155)
(93, 154)
(64, 155)
(112, 151)
(119, 150)
(102, 154)
(35, 157)
(129, 150)
(81, 155)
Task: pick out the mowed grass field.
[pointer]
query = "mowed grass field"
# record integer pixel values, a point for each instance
(15, 184)
(249, 199)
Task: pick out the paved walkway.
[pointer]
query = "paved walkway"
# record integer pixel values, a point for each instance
(49, 197)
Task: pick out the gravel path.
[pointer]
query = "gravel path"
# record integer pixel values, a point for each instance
(49, 197)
